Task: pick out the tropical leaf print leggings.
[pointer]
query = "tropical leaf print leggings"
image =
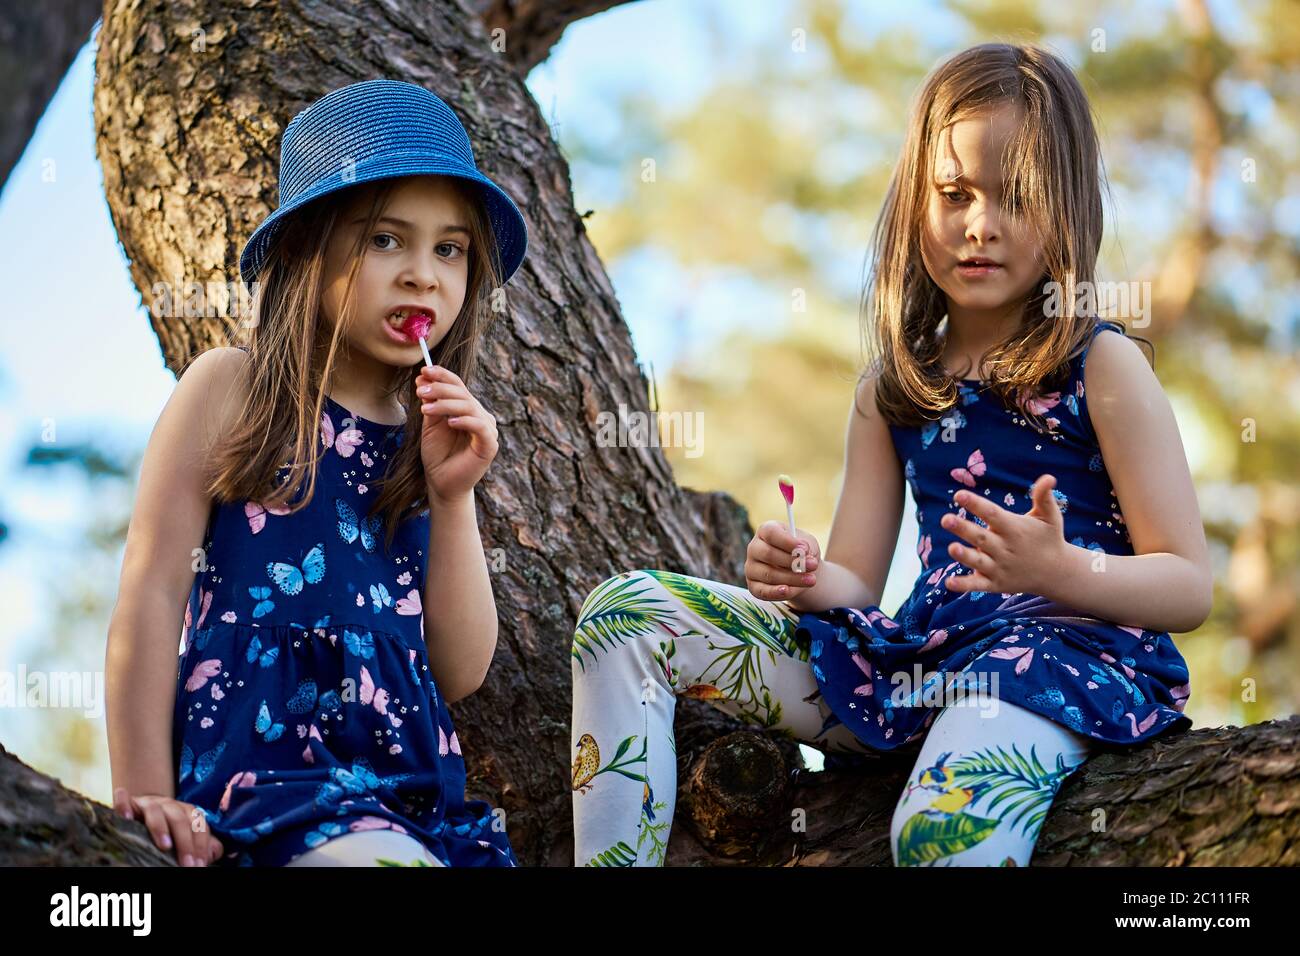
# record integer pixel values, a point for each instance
(977, 796)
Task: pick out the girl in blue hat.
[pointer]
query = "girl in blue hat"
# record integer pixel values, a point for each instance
(1059, 535)
(313, 492)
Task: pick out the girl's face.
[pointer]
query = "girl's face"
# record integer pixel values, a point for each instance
(416, 255)
(965, 218)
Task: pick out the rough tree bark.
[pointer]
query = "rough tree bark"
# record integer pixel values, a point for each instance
(191, 98)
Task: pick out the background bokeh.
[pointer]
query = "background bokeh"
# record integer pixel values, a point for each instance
(733, 164)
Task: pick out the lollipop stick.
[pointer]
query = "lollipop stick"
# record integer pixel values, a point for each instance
(425, 349)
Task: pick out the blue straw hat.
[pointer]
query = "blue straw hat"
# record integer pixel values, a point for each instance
(379, 129)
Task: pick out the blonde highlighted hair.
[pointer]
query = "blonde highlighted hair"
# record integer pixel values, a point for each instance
(291, 348)
(1052, 175)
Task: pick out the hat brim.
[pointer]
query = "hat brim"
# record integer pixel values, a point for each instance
(505, 219)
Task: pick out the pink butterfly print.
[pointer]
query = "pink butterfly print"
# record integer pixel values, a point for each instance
(395, 749)
(217, 692)
(345, 442)
(307, 755)
(1025, 655)
(1078, 389)
(205, 602)
(203, 672)
(409, 605)
(1147, 721)
(245, 778)
(1039, 404)
(974, 468)
(367, 460)
(206, 722)
(923, 549)
(256, 514)
(864, 665)
(936, 638)
(1110, 660)
(882, 617)
(376, 697)
(375, 823)
(1180, 695)
(445, 745)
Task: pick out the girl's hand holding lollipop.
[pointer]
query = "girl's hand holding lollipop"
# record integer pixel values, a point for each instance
(780, 560)
(459, 438)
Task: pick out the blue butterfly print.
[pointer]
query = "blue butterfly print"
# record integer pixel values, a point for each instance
(322, 833)
(968, 395)
(269, 729)
(362, 645)
(350, 528)
(262, 595)
(363, 772)
(263, 657)
(1061, 500)
(289, 579)
(380, 596)
(304, 699)
(205, 765)
(1072, 403)
(330, 700)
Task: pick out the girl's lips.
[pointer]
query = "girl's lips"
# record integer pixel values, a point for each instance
(975, 271)
(413, 328)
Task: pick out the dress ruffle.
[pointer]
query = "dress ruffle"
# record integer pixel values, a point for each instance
(336, 756)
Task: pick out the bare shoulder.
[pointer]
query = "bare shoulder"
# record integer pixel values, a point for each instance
(1118, 379)
(212, 388)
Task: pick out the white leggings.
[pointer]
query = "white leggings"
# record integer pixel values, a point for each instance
(368, 848)
(977, 796)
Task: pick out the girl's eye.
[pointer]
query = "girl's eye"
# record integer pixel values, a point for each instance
(455, 249)
(951, 193)
(382, 235)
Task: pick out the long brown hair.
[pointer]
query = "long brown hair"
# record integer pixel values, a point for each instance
(1052, 172)
(291, 349)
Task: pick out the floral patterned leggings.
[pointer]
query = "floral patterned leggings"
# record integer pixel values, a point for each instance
(977, 796)
(369, 848)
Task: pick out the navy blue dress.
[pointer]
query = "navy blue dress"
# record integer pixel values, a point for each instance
(305, 709)
(1120, 684)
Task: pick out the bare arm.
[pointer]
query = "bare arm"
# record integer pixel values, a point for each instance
(460, 620)
(1166, 584)
(167, 527)
(864, 531)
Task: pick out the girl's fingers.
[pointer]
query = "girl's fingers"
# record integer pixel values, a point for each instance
(441, 390)
(779, 536)
(122, 803)
(767, 574)
(449, 407)
(764, 552)
(486, 430)
(968, 530)
(156, 822)
(973, 558)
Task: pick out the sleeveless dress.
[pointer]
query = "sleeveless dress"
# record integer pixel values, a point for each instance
(305, 708)
(1120, 684)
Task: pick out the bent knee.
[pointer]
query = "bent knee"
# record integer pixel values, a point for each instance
(615, 612)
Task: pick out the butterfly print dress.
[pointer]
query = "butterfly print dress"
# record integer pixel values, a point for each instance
(1116, 682)
(305, 707)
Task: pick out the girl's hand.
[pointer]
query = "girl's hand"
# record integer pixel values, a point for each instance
(171, 823)
(770, 557)
(459, 438)
(1015, 553)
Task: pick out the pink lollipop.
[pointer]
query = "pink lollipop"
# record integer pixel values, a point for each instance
(416, 325)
